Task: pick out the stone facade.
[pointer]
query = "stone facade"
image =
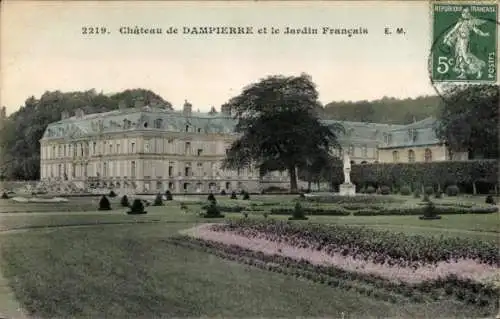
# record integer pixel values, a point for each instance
(146, 149)
(151, 149)
(416, 142)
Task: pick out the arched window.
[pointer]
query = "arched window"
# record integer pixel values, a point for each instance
(395, 156)
(411, 156)
(428, 155)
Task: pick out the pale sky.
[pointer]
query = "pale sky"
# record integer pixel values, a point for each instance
(43, 49)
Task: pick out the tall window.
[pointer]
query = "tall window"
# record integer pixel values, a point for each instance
(365, 151)
(118, 148)
(105, 169)
(411, 156)
(94, 145)
(132, 168)
(428, 155)
(395, 156)
(187, 149)
(146, 147)
(132, 146)
(170, 171)
(351, 150)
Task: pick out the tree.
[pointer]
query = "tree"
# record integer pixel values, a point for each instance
(278, 126)
(468, 120)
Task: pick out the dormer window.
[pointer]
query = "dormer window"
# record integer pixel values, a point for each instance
(199, 130)
(158, 123)
(145, 124)
(187, 128)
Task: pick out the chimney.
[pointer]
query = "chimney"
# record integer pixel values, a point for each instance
(225, 109)
(64, 115)
(122, 105)
(187, 108)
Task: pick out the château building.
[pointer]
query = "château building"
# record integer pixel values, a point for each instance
(416, 142)
(150, 149)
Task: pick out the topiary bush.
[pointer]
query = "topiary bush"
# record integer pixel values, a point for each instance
(245, 214)
(370, 190)
(168, 195)
(124, 201)
(266, 214)
(137, 208)
(490, 200)
(104, 203)
(298, 213)
(233, 195)
(223, 192)
(5, 196)
(211, 198)
(426, 198)
(438, 195)
(452, 190)
(212, 211)
(430, 211)
(158, 200)
(405, 190)
(428, 190)
(246, 196)
(385, 190)
(112, 194)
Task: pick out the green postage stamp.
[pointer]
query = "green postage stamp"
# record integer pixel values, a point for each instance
(464, 46)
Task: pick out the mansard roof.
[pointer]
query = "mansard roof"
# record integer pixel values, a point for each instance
(160, 119)
(416, 134)
(134, 119)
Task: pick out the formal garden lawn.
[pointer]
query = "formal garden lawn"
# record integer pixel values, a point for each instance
(74, 263)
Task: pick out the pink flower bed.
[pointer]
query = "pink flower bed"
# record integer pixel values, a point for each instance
(464, 268)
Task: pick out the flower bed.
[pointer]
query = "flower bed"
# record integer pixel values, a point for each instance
(360, 278)
(366, 243)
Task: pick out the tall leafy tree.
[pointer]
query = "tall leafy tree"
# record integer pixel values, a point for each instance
(469, 120)
(279, 127)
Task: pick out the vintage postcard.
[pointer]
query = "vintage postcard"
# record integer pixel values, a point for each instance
(244, 159)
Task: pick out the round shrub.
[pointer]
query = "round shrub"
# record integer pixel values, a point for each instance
(266, 214)
(211, 198)
(428, 190)
(490, 200)
(104, 203)
(158, 200)
(438, 195)
(298, 213)
(370, 190)
(385, 190)
(245, 214)
(233, 195)
(137, 208)
(168, 195)
(405, 190)
(452, 190)
(112, 194)
(5, 196)
(223, 192)
(426, 198)
(246, 196)
(212, 211)
(124, 201)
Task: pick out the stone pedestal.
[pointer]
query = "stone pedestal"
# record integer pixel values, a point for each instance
(347, 190)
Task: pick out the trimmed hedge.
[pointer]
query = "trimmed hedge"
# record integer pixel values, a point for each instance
(359, 199)
(417, 174)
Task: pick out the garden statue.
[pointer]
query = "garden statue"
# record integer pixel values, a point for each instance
(347, 169)
(347, 188)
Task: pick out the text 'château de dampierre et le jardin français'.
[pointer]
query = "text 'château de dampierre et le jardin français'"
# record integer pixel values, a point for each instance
(242, 30)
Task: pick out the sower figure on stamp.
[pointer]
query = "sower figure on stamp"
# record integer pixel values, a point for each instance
(459, 36)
